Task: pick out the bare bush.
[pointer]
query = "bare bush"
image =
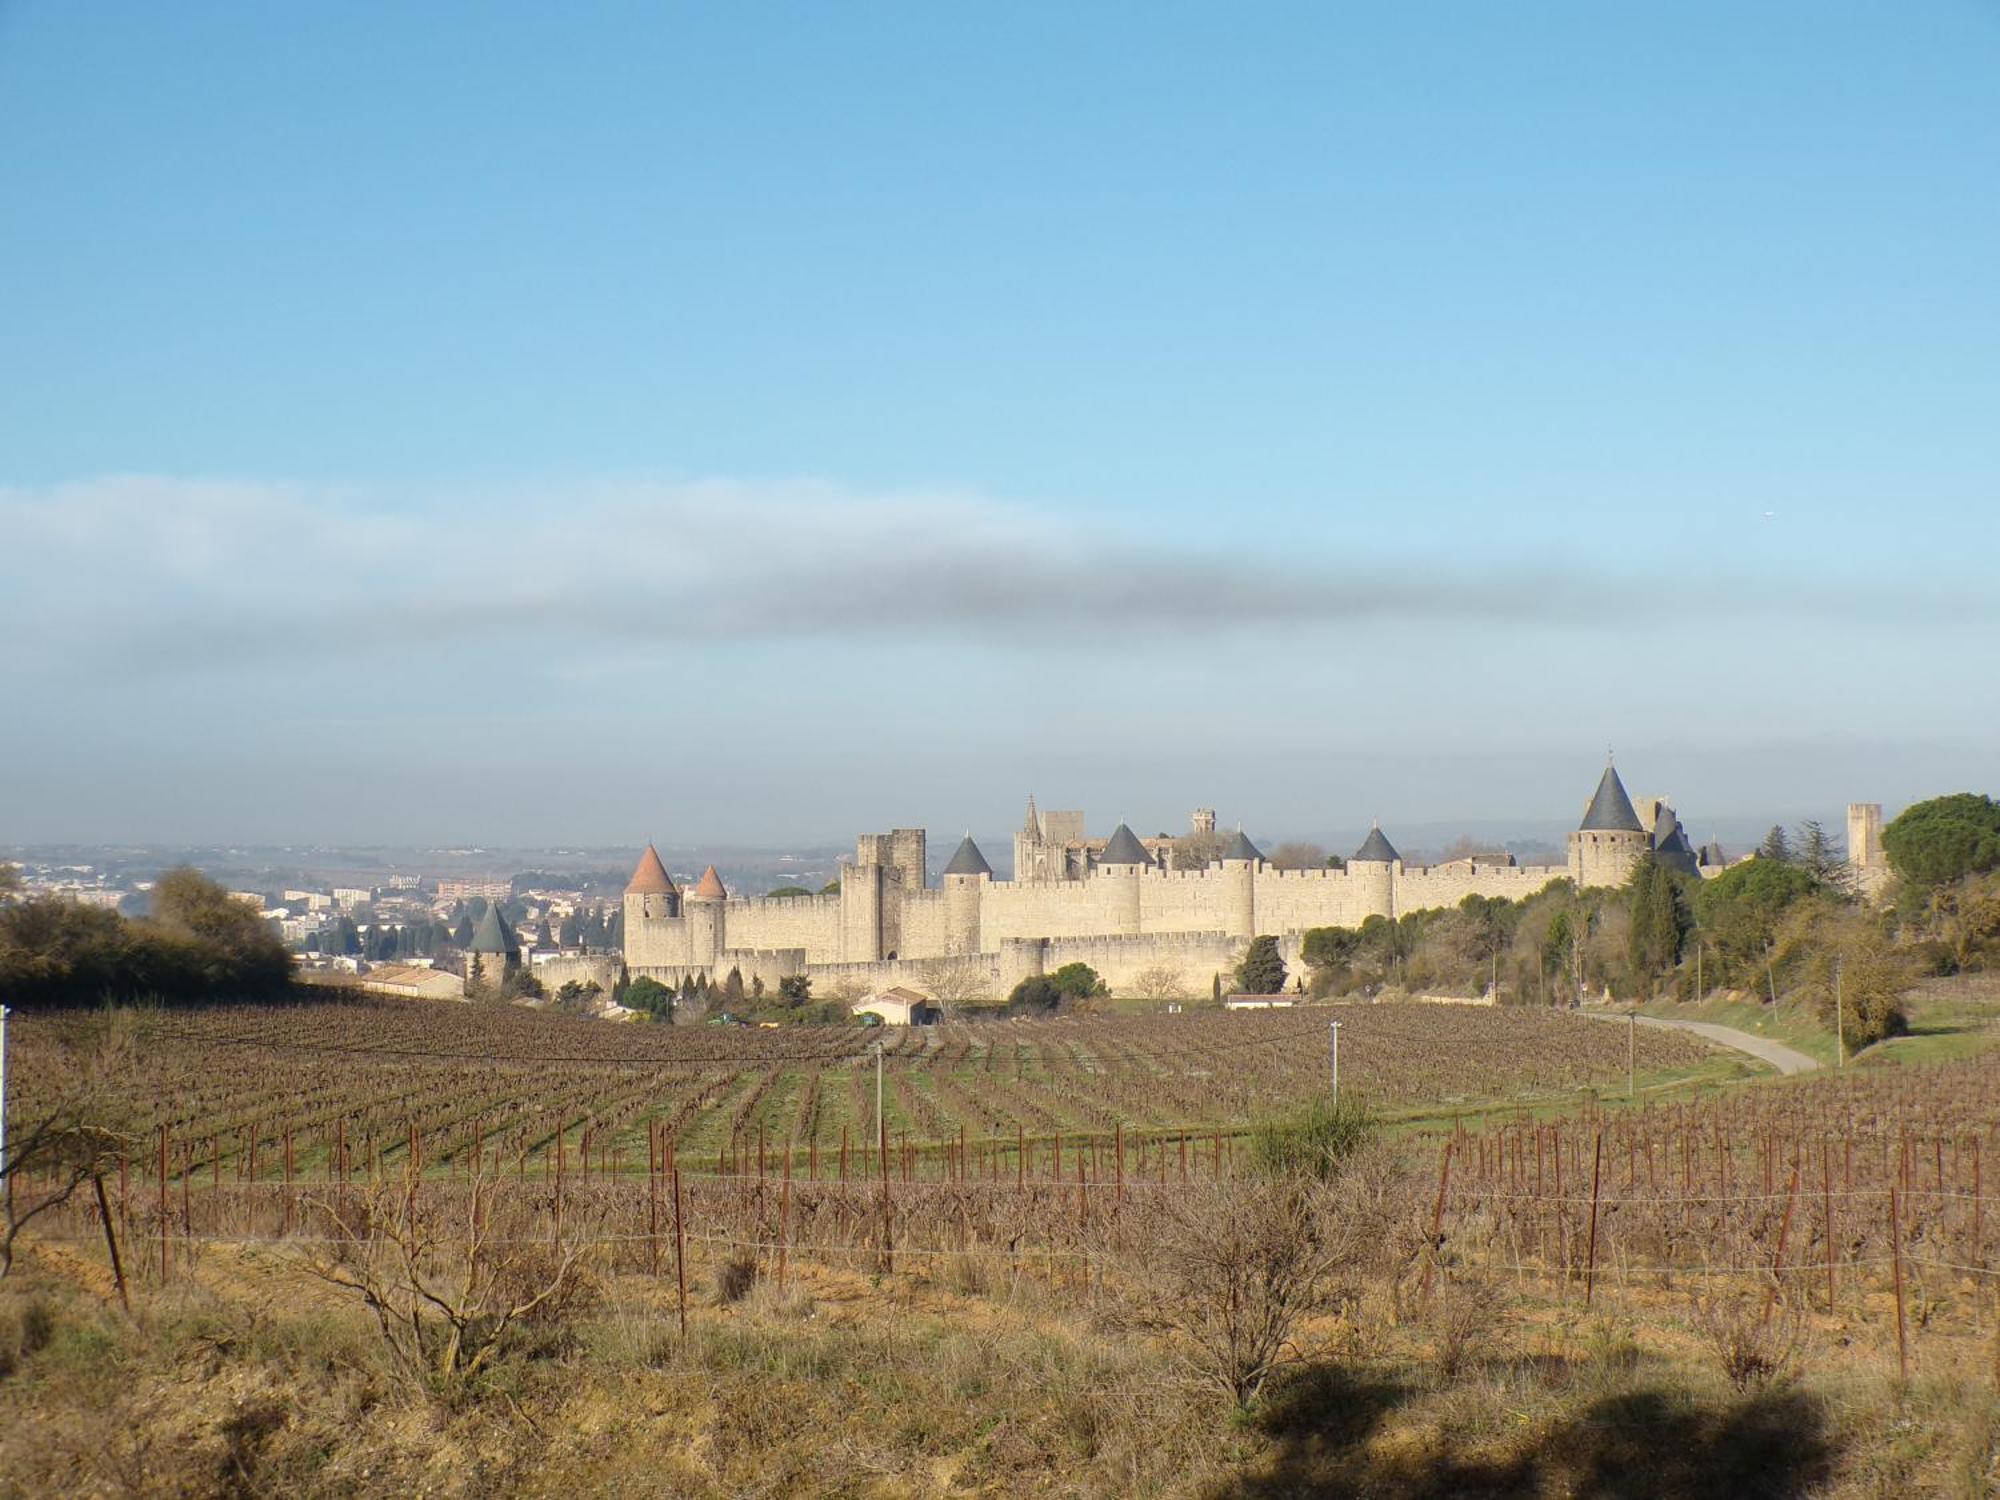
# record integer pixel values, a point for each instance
(446, 1288)
(1160, 982)
(1235, 1267)
(1756, 1340)
(1463, 1318)
(65, 1140)
(955, 982)
(737, 1275)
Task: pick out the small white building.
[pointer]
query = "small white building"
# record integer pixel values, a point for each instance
(1258, 1002)
(898, 1007)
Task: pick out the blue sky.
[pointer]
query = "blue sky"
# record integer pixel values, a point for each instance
(535, 423)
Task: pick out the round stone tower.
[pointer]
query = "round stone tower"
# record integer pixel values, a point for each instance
(965, 881)
(1239, 887)
(704, 918)
(651, 898)
(1125, 862)
(1610, 841)
(1373, 868)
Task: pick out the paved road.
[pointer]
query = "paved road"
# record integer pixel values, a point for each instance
(1785, 1059)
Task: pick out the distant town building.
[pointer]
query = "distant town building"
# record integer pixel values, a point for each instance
(465, 890)
(413, 981)
(350, 898)
(252, 899)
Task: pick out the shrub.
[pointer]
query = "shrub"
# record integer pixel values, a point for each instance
(1315, 1142)
(737, 1276)
(1037, 992)
(1077, 981)
(1755, 1340)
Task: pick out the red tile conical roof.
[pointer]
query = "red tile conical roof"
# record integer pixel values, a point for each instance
(651, 878)
(710, 888)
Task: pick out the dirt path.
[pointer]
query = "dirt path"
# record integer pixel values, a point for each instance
(1787, 1060)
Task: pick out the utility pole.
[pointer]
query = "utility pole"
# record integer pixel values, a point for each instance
(1631, 1055)
(1333, 1049)
(4, 1013)
(1839, 1018)
(879, 1137)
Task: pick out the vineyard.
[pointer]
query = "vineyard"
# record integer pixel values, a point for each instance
(642, 1176)
(251, 1093)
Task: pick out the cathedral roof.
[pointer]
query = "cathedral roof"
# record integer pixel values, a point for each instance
(1033, 827)
(968, 860)
(492, 935)
(1610, 810)
(1124, 848)
(1241, 848)
(651, 878)
(1375, 849)
(710, 888)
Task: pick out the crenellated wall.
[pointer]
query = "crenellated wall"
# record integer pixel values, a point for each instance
(1134, 918)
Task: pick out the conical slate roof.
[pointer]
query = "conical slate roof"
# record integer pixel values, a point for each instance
(1375, 849)
(492, 935)
(710, 888)
(1674, 851)
(1610, 811)
(1124, 848)
(968, 860)
(1033, 827)
(1241, 848)
(651, 878)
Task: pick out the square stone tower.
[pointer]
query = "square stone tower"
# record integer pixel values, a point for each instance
(1864, 847)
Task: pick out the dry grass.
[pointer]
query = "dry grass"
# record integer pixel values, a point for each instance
(249, 1382)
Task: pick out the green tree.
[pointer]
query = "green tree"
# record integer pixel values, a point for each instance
(1660, 922)
(1933, 843)
(571, 931)
(1329, 953)
(732, 990)
(341, 937)
(649, 995)
(1077, 981)
(1262, 971)
(795, 989)
(1777, 846)
(1841, 957)
(1037, 992)
(1739, 911)
(1330, 947)
(786, 892)
(1819, 858)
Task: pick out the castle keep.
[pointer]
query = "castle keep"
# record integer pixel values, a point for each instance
(1114, 903)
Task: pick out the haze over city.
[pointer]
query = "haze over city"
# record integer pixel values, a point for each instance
(518, 426)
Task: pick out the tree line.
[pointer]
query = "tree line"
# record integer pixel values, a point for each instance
(1787, 921)
(197, 944)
